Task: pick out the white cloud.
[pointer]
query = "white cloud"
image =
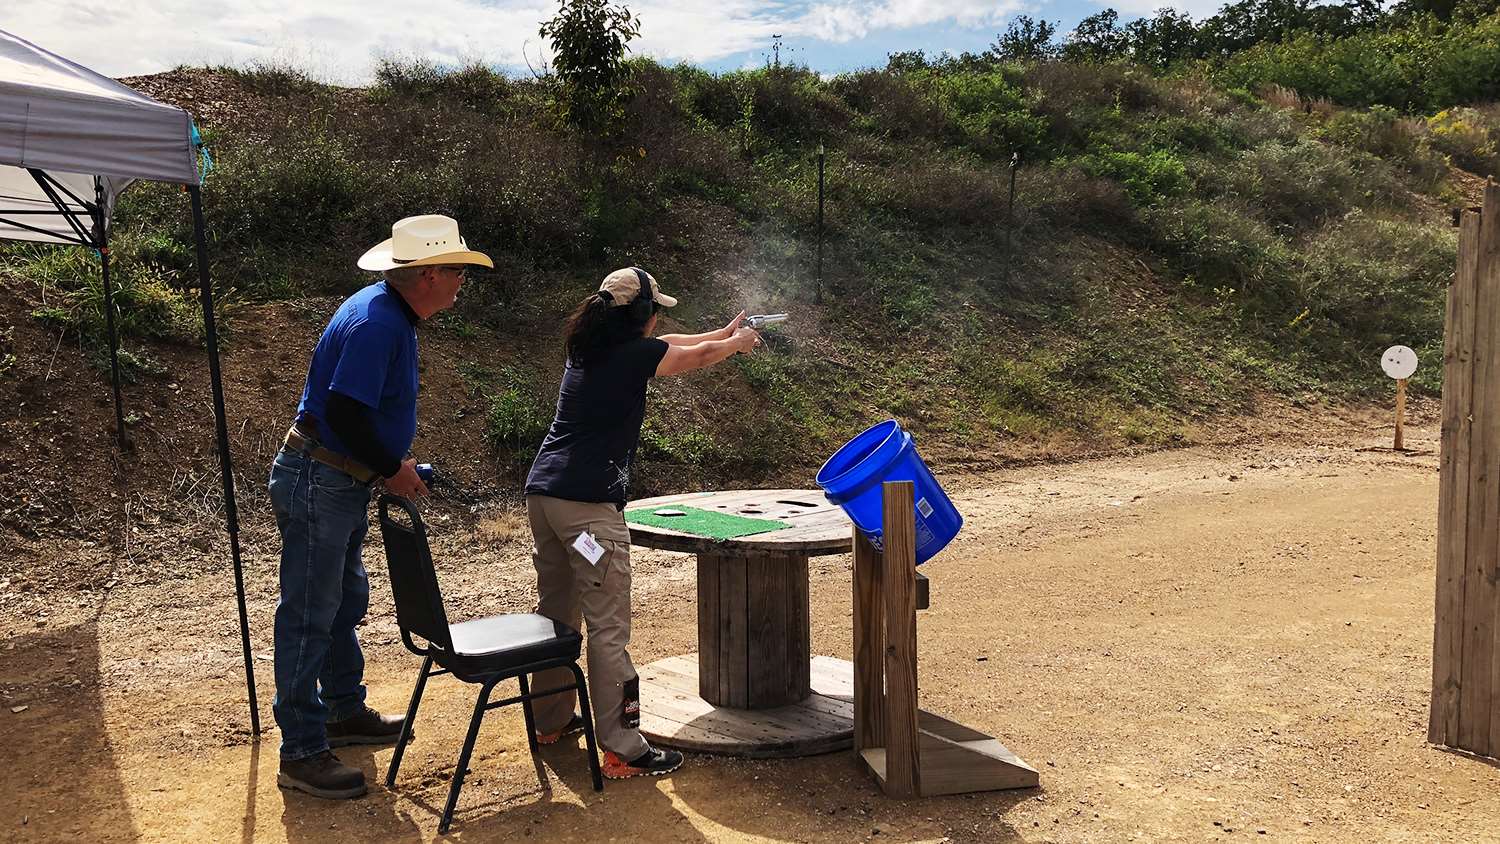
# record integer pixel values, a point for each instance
(850, 20)
(334, 39)
(1198, 10)
(338, 40)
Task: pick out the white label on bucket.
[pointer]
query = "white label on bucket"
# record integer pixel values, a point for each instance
(589, 548)
(924, 508)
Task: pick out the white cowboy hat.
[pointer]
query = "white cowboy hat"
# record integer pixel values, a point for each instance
(422, 242)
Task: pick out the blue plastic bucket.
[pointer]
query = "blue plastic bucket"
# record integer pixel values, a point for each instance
(852, 479)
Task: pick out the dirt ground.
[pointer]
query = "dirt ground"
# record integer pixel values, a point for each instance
(1210, 643)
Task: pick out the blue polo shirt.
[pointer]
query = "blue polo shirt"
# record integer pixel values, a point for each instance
(368, 352)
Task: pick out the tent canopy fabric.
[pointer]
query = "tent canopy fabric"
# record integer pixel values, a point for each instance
(74, 125)
(70, 141)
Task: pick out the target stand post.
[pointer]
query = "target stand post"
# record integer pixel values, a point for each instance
(1399, 362)
(1400, 444)
(910, 752)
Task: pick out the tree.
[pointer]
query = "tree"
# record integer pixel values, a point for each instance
(907, 61)
(1161, 41)
(1248, 23)
(589, 41)
(1097, 38)
(1025, 39)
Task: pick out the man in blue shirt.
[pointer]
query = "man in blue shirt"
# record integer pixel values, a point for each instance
(354, 427)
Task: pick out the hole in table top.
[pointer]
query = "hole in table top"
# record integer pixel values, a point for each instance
(796, 503)
(752, 512)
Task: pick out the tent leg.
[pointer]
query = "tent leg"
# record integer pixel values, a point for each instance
(101, 236)
(231, 517)
(114, 346)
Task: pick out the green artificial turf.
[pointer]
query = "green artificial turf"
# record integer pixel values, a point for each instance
(703, 522)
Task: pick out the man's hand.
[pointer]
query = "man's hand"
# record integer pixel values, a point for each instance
(405, 482)
(733, 326)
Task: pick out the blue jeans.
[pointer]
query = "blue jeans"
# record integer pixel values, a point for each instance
(322, 514)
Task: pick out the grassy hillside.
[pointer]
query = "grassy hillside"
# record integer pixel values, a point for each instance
(1181, 248)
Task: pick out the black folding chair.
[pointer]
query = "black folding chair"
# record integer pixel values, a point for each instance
(483, 651)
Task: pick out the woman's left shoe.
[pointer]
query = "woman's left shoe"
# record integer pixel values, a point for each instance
(573, 727)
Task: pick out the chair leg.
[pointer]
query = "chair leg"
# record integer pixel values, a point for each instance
(526, 709)
(411, 717)
(588, 726)
(463, 756)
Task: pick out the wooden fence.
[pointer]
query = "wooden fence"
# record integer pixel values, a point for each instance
(1465, 654)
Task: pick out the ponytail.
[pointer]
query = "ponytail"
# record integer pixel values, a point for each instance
(595, 327)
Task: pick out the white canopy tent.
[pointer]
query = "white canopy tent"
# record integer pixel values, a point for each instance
(70, 141)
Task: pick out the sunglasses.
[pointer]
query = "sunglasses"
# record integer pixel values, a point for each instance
(463, 271)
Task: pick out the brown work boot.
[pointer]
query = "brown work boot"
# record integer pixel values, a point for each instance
(368, 727)
(323, 776)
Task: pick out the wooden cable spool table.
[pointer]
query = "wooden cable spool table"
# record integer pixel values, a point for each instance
(753, 688)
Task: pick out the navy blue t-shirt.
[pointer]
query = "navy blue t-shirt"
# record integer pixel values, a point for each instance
(588, 450)
(368, 352)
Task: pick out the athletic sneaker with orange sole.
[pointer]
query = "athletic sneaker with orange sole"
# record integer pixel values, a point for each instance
(573, 727)
(653, 763)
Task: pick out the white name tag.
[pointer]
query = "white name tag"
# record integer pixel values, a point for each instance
(589, 548)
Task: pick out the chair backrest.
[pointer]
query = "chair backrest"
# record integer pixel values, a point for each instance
(414, 585)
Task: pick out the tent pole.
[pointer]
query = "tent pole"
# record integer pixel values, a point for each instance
(101, 237)
(231, 517)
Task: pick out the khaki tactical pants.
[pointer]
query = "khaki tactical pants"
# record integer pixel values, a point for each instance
(571, 590)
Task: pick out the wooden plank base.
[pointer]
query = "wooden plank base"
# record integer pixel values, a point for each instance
(673, 715)
(955, 759)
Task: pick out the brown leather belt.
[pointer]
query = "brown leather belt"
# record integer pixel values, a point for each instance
(298, 441)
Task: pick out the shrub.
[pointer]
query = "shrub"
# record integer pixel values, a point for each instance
(1203, 132)
(1382, 131)
(275, 77)
(1079, 103)
(928, 191)
(473, 85)
(1292, 185)
(1146, 178)
(1219, 245)
(313, 183)
(990, 114)
(892, 104)
(1068, 196)
(1421, 64)
(1375, 282)
(148, 300)
(1462, 134)
(516, 415)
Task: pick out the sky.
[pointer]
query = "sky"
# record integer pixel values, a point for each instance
(341, 40)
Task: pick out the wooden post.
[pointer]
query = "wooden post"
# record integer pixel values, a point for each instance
(869, 646)
(818, 289)
(1476, 688)
(912, 753)
(899, 581)
(1400, 411)
(1466, 675)
(1453, 487)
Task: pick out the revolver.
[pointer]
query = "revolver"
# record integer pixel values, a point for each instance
(759, 321)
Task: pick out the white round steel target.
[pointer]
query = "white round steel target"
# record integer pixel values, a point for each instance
(1399, 362)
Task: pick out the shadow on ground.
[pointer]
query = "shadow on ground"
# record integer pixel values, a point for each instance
(50, 791)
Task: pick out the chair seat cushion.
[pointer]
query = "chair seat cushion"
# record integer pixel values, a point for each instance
(499, 642)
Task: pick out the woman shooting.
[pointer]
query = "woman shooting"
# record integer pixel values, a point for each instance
(579, 484)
